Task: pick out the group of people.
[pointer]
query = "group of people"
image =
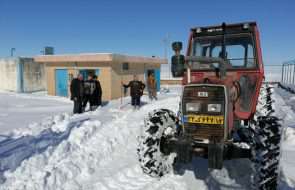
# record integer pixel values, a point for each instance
(84, 92)
(89, 91)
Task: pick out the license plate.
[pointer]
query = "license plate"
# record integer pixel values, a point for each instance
(203, 94)
(205, 119)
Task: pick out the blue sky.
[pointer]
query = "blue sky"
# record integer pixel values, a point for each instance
(137, 27)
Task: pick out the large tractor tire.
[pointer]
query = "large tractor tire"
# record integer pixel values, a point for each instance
(267, 135)
(159, 127)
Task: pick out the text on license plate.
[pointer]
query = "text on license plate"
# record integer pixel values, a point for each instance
(205, 119)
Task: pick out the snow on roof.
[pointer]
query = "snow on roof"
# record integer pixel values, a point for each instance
(98, 57)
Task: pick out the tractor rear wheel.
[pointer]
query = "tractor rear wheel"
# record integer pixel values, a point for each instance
(267, 135)
(159, 127)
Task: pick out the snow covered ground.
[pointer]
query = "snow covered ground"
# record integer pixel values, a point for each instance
(20, 110)
(97, 150)
(285, 103)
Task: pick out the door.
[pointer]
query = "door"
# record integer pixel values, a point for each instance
(158, 78)
(84, 73)
(89, 72)
(61, 82)
(97, 72)
(147, 73)
(156, 73)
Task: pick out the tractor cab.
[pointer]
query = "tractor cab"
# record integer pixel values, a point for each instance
(226, 55)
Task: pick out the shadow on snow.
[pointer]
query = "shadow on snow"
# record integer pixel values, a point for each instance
(238, 171)
(14, 151)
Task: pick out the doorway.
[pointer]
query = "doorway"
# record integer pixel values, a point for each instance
(156, 73)
(61, 82)
(86, 72)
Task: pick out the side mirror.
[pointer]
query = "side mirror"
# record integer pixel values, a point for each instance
(177, 60)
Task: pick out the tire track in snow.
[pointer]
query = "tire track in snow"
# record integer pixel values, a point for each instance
(133, 179)
(13, 151)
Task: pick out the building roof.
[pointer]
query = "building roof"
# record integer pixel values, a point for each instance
(98, 57)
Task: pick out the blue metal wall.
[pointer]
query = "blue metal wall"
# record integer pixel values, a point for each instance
(288, 73)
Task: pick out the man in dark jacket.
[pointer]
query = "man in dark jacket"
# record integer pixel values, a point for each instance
(97, 93)
(89, 90)
(136, 91)
(77, 93)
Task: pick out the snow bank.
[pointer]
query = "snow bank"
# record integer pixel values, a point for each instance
(20, 111)
(288, 87)
(285, 107)
(14, 150)
(95, 150)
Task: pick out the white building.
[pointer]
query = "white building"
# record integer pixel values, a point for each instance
(20, 74)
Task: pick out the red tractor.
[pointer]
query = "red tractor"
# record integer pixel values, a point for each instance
(225, 110)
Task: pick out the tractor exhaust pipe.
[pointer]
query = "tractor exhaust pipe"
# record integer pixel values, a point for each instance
(188, 71)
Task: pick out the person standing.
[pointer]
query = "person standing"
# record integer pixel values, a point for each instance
(89, 89)
(97, 93)
(77, 93)
(136, 91)
(152, 87)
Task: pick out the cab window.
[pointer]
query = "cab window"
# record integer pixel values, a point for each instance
(239, 49)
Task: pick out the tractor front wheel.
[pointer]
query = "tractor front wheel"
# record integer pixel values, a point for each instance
(159, 127)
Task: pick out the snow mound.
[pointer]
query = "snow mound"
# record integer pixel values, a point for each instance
(96, 149)
(285, 107)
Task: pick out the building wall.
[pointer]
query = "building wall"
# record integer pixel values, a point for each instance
(20, 74)
(73, 68)
(118, 75)
(110, 76)
(50, 79)
(8, 74)
(34, 78)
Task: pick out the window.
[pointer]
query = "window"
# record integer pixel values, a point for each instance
(239, 50)
(125, 66)
(216, 51)
(235, 54)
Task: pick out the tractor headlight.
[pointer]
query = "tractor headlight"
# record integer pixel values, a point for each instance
(193, 107)
(214, 107)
